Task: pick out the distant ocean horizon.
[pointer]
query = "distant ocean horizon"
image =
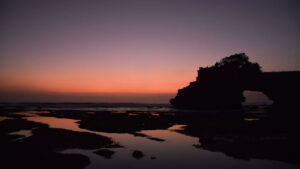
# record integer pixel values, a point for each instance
(252, 98)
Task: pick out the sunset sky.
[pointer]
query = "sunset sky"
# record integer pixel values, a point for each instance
(135, 50)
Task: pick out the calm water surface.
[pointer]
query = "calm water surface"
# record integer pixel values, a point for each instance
(174, 150)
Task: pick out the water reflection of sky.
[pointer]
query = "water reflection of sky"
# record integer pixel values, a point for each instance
(177, 151)
(23, 133)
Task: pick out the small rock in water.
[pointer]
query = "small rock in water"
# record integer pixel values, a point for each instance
(138, 154)
(105, 153)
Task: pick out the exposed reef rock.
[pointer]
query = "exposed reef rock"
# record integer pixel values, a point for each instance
(105, 153)
(138, 154)
(222, 85)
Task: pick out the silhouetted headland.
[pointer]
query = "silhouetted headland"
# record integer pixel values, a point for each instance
(222, 85)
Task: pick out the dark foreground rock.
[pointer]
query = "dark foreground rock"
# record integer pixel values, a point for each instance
(124, 123)
(273, 137)
(41, 150)
(137, 154)
(257, 134)
(105, 121)
(105, 153)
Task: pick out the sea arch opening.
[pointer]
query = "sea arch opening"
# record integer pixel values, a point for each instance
(256, 98)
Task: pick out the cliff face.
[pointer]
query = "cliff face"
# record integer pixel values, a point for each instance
(222, 85)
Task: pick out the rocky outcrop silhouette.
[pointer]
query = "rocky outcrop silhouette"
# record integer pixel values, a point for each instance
(222, 85)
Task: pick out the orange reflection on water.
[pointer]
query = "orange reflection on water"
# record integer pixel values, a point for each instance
(53, 122)
(177, 127)
(251, 119)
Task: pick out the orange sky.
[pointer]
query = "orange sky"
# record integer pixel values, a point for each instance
(149, 47)
(107, 77)
(123, 82)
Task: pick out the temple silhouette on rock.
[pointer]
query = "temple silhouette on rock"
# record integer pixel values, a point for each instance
(222, 85)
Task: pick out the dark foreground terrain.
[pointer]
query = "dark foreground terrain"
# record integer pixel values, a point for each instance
(37, 138)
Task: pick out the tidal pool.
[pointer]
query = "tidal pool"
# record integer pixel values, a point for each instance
(169, 149)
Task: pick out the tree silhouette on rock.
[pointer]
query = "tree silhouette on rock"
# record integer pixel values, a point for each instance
(219, 86)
